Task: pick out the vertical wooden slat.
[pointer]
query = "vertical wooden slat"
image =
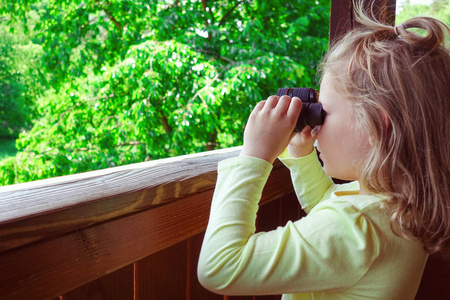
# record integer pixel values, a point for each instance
(163, 275)
(268, 217)
(115, 286)
(269, 297)
(195, 288)
(290, 209)
(239, 298)
(342, 16)
(435, 280)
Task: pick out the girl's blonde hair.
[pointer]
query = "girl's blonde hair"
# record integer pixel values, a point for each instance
(399, 84)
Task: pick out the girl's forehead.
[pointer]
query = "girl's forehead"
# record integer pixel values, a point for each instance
(326, 88)
(329, 96)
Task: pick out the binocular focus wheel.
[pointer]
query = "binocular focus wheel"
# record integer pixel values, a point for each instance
(305, 94)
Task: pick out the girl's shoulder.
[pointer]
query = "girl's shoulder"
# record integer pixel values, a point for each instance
(349, 202)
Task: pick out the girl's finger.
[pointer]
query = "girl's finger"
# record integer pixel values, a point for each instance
(260, 105)
(284, 103)
(271, 102)
(295, 107)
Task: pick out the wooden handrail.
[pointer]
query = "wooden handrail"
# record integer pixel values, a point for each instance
(42, 209)
(88, 225)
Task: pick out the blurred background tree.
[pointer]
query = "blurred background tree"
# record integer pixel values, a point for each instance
(96, 84)
(20, 79)
(439, 9)
(107, 83)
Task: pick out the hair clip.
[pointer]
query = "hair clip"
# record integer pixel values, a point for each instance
(396, 28)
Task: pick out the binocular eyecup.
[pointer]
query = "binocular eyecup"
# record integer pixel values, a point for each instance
(312, 113)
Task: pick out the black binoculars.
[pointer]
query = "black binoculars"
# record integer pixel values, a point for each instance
(312, 113)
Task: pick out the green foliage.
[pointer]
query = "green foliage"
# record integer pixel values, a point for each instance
(133, 80)
(19, 83)
(7, 148)
(439, 9)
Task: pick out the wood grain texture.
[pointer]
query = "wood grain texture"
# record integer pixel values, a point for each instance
(342, 18)
(44, 209)
(87, 254)
(163, 275)
(118, 285)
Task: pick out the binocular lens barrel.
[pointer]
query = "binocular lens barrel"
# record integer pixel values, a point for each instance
(305, 94)
(312, 113)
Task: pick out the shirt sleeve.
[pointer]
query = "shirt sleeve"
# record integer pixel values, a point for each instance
(311, 184)
(330, 249)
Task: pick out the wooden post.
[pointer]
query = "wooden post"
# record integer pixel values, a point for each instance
(342, 16)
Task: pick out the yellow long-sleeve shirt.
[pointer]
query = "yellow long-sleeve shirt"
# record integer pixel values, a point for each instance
(343, 249)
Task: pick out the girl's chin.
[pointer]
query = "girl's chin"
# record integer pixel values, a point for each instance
(335, 175)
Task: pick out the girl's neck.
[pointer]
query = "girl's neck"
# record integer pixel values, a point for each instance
(363, 191)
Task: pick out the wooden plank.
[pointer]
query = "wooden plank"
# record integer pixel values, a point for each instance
(89, 253)
(163, 275)
(278, 185)
(44, 209)
(268, 216)
(118, 285)
(290, 209)
(268, 297)
(435, 280)
(194, 289)
(342, 17)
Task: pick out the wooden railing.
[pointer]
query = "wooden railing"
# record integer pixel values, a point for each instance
(131, 232)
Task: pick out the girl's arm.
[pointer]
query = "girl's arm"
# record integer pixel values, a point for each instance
(303, 256)
(330, 249)
(269, 132)
(311, 184)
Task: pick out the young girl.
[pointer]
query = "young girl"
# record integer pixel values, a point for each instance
(386, 91)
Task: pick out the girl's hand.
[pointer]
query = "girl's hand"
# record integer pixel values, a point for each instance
(302, 143)
(270, 127)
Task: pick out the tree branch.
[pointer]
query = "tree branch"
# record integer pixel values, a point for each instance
(111, 17)
(228, 13)
(216, 55)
